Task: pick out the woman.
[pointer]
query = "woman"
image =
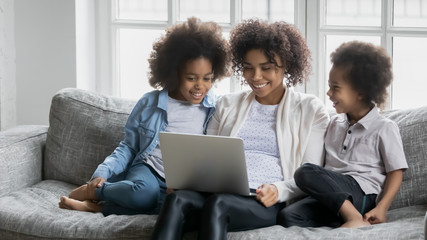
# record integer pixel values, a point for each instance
(281, 130)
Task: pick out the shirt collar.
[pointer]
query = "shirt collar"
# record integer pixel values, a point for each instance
(163, 100)
(367, 120)
(210, 99)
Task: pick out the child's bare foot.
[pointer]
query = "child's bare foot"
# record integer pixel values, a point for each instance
(355, 224)
(352, 217)
(62, 205)
(84, 192)
(85, 206)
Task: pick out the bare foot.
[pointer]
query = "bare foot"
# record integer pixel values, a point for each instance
(63, 206)
(84, 192)
(85, 206)
(352, 217)
(355, 224)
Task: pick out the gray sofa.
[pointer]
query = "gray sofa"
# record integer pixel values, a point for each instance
(38, 164)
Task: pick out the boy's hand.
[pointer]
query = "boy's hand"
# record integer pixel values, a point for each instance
(375, 216)
(391, 186)
(267, 194)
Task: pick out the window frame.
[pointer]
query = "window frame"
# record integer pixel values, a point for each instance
(317, 32)
(308, 18)
(108, 82)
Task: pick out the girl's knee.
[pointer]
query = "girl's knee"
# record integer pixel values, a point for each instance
(143, 186)
(144, 196)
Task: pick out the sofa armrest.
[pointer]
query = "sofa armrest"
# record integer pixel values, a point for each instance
(425, 225)
(21, 157)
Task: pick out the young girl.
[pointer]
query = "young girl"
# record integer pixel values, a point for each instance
(364, 151)
(281, 129)
(184, 63)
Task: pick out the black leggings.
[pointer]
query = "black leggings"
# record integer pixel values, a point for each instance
(212, 214)
(327, 192)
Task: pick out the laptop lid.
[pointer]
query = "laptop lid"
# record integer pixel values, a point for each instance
(204, 163)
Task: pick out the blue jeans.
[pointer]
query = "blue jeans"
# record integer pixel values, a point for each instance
(141, 192)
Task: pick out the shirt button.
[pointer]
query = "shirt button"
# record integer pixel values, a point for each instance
(345, 147)
(349, 131)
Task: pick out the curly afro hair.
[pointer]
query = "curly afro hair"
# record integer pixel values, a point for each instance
(183, 42)
(368, 69)
(276, 39)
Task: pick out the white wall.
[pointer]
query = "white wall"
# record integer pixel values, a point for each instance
(7, 66)
(45, 40)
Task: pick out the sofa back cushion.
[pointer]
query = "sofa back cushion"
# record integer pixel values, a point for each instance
(84, 128)
(413, 129)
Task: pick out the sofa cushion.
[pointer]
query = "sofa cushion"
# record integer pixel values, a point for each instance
(84, 128)
(413, 129)
(33, 213)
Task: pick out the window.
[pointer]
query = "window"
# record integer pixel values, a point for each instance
(400, 26)
(134, 25)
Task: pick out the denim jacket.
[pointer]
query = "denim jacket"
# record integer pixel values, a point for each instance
(147, 119)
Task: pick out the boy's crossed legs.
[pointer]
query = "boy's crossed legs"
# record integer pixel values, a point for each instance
(333, 199)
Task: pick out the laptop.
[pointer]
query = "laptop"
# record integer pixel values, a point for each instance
(204, 163)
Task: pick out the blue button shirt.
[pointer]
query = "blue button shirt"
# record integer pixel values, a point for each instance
(147, 119)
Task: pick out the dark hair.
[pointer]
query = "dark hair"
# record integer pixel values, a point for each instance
(279, 38)
(183, 42)
(368, 69)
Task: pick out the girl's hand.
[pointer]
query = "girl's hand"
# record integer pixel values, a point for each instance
(267, 194)
(96, 182)
(169, 190)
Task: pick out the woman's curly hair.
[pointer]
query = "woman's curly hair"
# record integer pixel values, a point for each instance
(183, 42)
(368, 69)
(276, 39)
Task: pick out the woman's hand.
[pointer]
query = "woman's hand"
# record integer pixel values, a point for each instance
(267, 194)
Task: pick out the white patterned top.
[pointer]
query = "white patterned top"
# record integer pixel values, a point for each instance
(260, 141)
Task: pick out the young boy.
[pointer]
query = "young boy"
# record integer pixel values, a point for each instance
(364, 152)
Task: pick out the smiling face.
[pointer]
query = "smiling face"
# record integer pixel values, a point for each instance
(195, 80)
(343, 96)
(264, 77)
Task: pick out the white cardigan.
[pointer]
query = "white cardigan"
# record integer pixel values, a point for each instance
(302, 120)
